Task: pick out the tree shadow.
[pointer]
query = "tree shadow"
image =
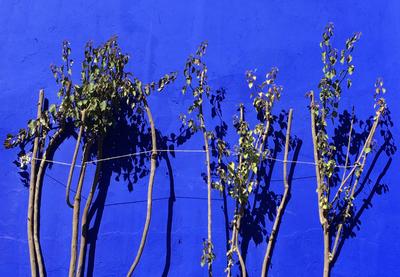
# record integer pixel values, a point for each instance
(384, 146)
(131, 134)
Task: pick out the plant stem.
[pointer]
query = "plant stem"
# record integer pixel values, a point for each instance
(282, 206)
(72, 168)
(153, 165)
(32, 256)
(327, 254)
(37, 200)
(241, 261)
(324, 222)
(77, 203)
(85, 223)
(316, 158)
(209, 211)
(238, 215)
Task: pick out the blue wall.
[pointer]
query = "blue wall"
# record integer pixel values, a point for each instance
(159, 35)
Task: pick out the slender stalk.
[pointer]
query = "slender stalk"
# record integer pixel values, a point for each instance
(282, 206)
(209, 211)
(37, 200)
(77, 204)
(235, 244)
(32, 256)
(322, 218)
(74, 156)
(153, 165)
(327, 254)
(85, 223)
(236, 225)
(241, 261)
(316, 158)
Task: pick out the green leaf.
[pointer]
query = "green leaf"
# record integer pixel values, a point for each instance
(350, 69)
(103, 105)
(231, 167)
(52, 109)
(254, 167)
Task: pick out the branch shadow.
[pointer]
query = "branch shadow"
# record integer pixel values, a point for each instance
(385, 146)
(131, 135)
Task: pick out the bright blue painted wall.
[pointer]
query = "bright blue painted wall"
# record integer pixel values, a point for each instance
(159, 35)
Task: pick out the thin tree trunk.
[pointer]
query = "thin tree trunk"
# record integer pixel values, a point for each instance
(85, 223)
(77, 204)
(153, 165)
(37, 200)
(282, 206)
(74, 156)
(327, 254)
(209, 207)
(322, 219)
(316, 158)
(209, 212)
(32, 255)
(235, 245)
(241, 261)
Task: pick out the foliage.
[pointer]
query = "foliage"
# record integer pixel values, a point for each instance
(337, 66)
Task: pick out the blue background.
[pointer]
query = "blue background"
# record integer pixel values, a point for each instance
(159, 35)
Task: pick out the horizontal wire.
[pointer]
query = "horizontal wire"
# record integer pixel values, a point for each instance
(167, 197)
(183, 151)
(123, 156)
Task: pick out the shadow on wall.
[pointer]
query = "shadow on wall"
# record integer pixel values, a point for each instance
(132, 135)
(370, 185)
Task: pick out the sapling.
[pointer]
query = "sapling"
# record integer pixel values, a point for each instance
(50, 125)
(95, 105)
(240, 176)
(140, 94)
(199, 87)
(322, 112)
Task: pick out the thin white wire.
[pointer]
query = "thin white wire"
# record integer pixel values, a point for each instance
(306, 162)
(183, 151)
(123, 156)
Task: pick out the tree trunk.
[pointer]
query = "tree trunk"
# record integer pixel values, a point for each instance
(327, 258)
(37, 201)
(72, 167)
(282, 206)
(85, 223)
(32, 181)
(153, 165)
(209, 206)
(75, 217)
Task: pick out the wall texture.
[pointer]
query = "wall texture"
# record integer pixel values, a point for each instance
(159, 35)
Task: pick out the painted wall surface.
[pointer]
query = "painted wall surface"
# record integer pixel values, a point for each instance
(159, 35)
